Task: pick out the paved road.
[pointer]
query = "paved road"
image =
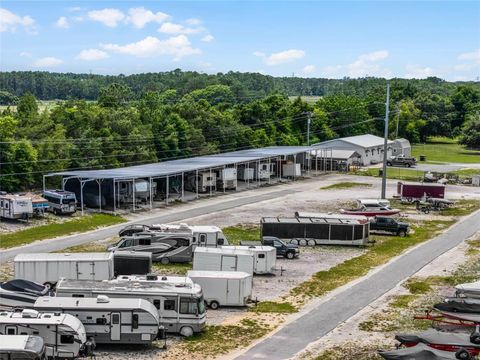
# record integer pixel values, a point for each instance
(295, 336)
(73, 240)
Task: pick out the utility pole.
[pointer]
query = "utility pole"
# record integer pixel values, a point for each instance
(309, 121)
(398, 120)
(384, 174)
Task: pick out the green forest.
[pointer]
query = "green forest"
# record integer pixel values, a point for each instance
(111, 121)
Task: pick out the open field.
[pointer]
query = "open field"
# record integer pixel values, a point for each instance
(345, 185)
(443, 152)
(411, 174)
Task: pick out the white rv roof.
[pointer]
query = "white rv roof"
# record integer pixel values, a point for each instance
(13, 342)
(30, 316)
(222, 251)
(205, 228)
(257, 248)
(64, 256)
(218, 274)
(160, 279)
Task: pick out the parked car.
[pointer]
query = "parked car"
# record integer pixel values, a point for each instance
(401, 160)
(389, 225)
(289, 251)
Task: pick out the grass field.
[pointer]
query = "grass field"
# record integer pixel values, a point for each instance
(436, 151)
(412, 174)
(344, 185)
(77, 225)
(235, 234)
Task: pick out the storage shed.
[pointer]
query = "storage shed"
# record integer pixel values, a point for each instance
(401, 146)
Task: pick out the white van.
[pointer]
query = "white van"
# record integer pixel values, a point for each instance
(221, 259)
(265, 257)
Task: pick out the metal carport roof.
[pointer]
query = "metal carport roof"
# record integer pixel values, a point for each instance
(172, 167)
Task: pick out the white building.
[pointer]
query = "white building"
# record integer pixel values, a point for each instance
(369, 147)
(401, 146)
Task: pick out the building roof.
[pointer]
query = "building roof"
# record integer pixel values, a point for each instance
(403, 142)
(179, 166)
(366, 140)
(343, 154)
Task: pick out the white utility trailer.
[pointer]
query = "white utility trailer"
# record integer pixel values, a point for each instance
(223, 288)
(48, 268)
(15, 206)
(221, 259)
(227, 179)
(265, 257)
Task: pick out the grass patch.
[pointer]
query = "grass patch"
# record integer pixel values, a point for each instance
(352, 351)
(77, 225)
(171, 269)
(416, 286)
(90, 247)
(402, 301)
(345, 185)
(446, 152)
(394, 173)
(274, 307)
(461, 208)
(235, 234)
(220, 339)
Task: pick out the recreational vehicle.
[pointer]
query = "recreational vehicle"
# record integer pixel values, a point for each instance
(61, 201)
(181, 308)
(265, 257)
(262, 171)
(221, 259)
(64, 335)
(202, 182)
(48, 268)
(126, 191)
(15, 206)
(224, 288)
(21, 293)
(245, 173)
(108, 320)
(227, 179)
(22, 347)
(39, 204)
(317, 231)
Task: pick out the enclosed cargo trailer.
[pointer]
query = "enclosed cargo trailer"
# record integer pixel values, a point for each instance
(412, 192)
(220, 259)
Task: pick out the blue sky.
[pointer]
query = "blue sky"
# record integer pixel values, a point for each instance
(307, 38)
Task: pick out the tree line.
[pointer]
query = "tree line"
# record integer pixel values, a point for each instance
(126, 125)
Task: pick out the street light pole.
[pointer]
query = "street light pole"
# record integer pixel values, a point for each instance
(384, 173)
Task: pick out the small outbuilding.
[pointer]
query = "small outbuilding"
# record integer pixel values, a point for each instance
(401, 147)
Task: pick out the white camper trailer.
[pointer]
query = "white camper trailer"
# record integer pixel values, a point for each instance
(227, 179)
(108, 320)
(22, 347)
(64, 335)
(221, 259)
(265, 257)
(181, 309)
(262, 171)
(245, 173)
(48, 268)
(223, 288)
(291, 170)
(203, 181)
(15, 206)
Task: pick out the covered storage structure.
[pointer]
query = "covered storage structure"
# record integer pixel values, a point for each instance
(220, 259)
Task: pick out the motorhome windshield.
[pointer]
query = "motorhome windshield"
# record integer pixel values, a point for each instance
(192, 306)
(68, 200)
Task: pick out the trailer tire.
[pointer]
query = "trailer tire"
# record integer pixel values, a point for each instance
(164, 260)
(463, 354)
(475, 338)
(214, 305)
(303, 242)
(426, 211)
(311, 243)
(186, 331)
(294, 242)
(402, 233)
(389, 163)
(409, 165)
(48, 285)
(290, 255)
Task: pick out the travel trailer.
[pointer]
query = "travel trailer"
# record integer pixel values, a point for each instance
(181, 308)
(22, 347)
(64, 335)
(221, 259)
(223, 288)
(262, 171)
(15, 206)
(39, 204)
(61, 201)
(108, 320)
(203, 182)
(126, 191)
(18, 293)
(265, 257)
(317, 231)
(227, 179)
(132, 262)
(48, 268)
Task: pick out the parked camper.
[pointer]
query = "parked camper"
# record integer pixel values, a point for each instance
(265, 257)
(203, 182)
(224, 288)
(22, 347)
(61, 201)
(48, 268)
(18, 293)
(227, 179)
(291, 170)
(181, 308)
(132, 262)
(15, 206)
(412, 192)
(39, 204)
(220, 259)
(64, 335)
(317, 231)
(108, 320)
(262, 171)
(126, 190)
(245, 173)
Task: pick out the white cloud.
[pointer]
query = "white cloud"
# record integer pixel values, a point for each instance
(464, 67)
(471, 56)
(207, 38)
(172, 28)
(109, 17)
(47, 62)
(309, 69)
(418, 72)
(62, 23)
(25, 54)
(364, 65)
(9, 22)
(193, 22)
(74, 9)
(178, 46)
(281, 57)
(92, 55)
(141, 16)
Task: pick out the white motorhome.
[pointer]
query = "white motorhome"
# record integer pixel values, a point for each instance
(202, 182)
(48, 268)
(108, 320)
(227, 179)
(60, 201)
(22, 347)
(224, 288)
(265, 257)
(221, 259)
(245, 173)
(181, 308)
(15, 206)
(64, 335)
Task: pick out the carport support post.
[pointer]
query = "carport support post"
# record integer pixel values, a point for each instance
(82, 183)
(133, 186)
(294, 166)
(167, 186)
(151, 193)
(269, 169)
(258, 173)
(248, 174)
(183, 180)
(99, 182)
(279, 169)
(223, 179)
(210, 180)
(114, 197)
(44, 183)
(196, 182)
